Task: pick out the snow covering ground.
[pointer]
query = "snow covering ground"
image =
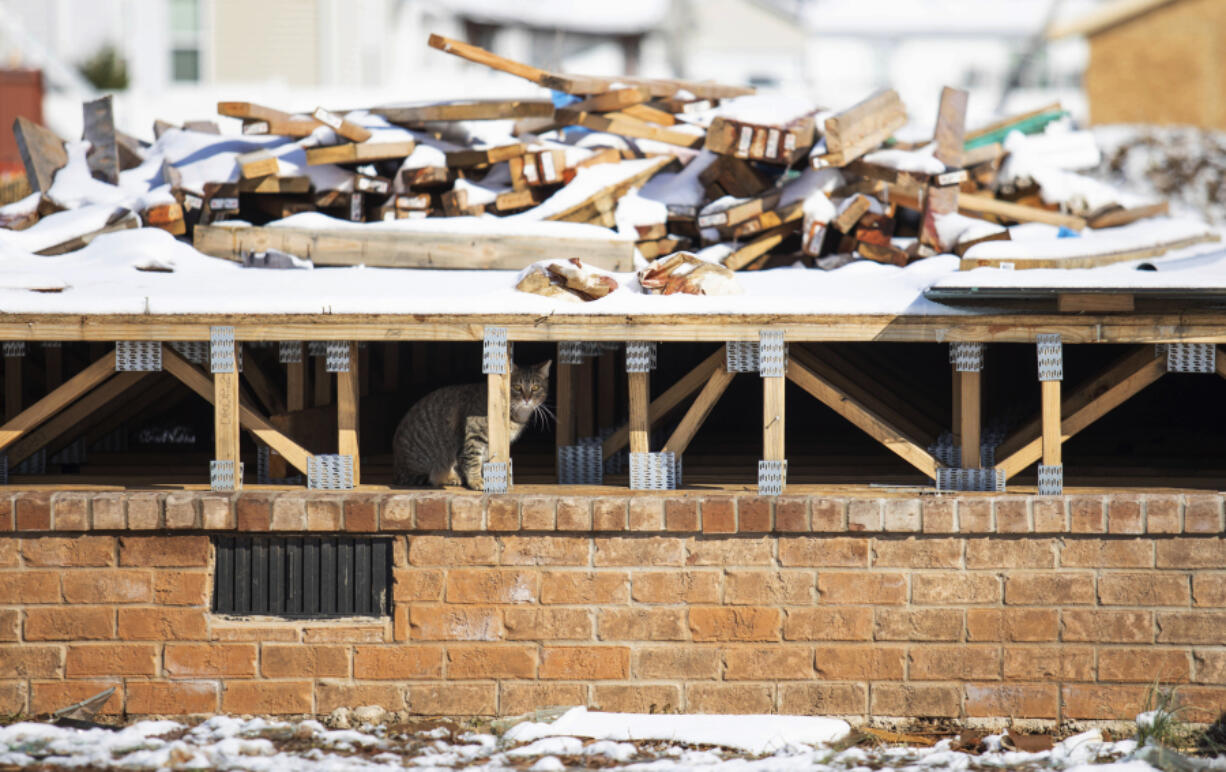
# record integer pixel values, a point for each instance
(578, 739)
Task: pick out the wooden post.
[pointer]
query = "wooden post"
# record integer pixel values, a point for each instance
(391, 366)
(968, 391)
(498, 411)
(54, 360)
(773, 419)
(323, 383)
(364, 370)
(585, 413)
(639, 388)
(564, 431)
(956, 411)
(1051, 423)
(225, 416)
(348, 386)
(606, 391)
(296, 381)
(12, 387)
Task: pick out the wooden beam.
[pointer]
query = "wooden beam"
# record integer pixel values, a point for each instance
(266, 390)
(323, 382)
(1051, 423)
(296, 381)
(12, 387)
(970, 391)
(71, 416)
(639, 390)
(198, 381)
(951, 126)
(585, 414)
(774, 418)
(1118, 393)
(493, 61)
(358, 152)
(225, 419)
(697, 414)
(57, 400)
(498, 412)
(862, 417)
(469, 110)
(981, 205)
(565, 428)
(956, 406)
(1220, 363)
(347, 408)
(606, 389)
(1095, 302)
(103, 155)
(42, 153)
(672, 396)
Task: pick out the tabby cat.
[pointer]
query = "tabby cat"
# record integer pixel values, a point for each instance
(443, 439)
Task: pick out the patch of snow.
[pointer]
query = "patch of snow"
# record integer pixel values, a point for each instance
(921, 161)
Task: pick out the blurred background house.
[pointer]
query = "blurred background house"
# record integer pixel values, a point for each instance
(173, 59)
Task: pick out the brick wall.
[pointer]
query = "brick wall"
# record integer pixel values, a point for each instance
(957, 607)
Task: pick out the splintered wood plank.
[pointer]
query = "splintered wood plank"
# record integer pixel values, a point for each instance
(275, 184)
(58, 399)
(611, 193)
(293, 127)
(480, 56)
(951, 126)
(648, 114)
(257, 163)
(463, 159)
(42, 153)
(406, 249)
(938, 202)
(347, 410)
(868, 421)
(863, 126)
(627, 126)
(664, 404)
(72, 416)
(342, 126)
(774, 418)
(1122, 216)
(764, 243)
(980, 205)
(1051, 422)
(697, 414)
(469, 110)
(970, 392)
(613, 100)
(639, 391)
(358, 152)
(779, 144)
(103, 156)
(1114, 396)
(1092, 260)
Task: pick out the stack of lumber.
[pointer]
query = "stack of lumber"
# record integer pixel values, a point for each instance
(656, 166)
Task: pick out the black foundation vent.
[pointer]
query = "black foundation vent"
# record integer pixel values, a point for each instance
(330, 576)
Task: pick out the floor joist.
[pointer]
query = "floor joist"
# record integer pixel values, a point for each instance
(77, 412)
(57, 400)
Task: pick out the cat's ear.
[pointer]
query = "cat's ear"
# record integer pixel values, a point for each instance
(543, 368)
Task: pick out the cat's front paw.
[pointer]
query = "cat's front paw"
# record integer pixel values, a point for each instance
(475, 485)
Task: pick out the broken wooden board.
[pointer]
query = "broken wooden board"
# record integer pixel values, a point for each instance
(1118, 215)
(122, 219)
(981, 205)
(760, 246)
(358, 152)
(257, 163)
(861, 128)
(1091, 259)
(624, 125)
(781, 145)
(103, 155)
(42, 153)
(909, 182)
(342, 126)
(168, 217)
(612, 101)
(429, 247)
(468, 159)
(604, 201)
(274, 184)
(951, 127)
(258, 119)
(468, 110)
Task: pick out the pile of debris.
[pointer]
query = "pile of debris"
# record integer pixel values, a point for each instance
(687, 174)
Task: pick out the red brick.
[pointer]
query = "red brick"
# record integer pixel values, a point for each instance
(574, 514)
(1012, 515)
(32, 511)
(185, 550)
(676, 662)
(823, 552)
(204, 660)
(545, 550)
(641, 624)
(416, 584)
(111, 659)
(182, 510)
(1209, 590)
(161, 699)
(718, 514)
(254, 511)
(864, 515)
(453, 550)
(639, 551)
(792, 514)
(10, 624)
(1049, 515)
(1202, 514)
(954, 663)
(838, 623)
(298, 661)
(681, 515)
(453, 699)
(1012, 624)
(162, 624)
(729, 698)
(637, 698)
(974, 515)
(6, 522)
(9, 550)
(954, 588)
(933, 624)
(1144, 665)
(323, 512)
(31, 661)
(1049, 663)
(768, 588)
(467, 513)
(646, 513)
(728, 552)
(345, 633)
(1088, 701)
(383, 663)
(1107, 553)
(455, 623)
(74, 623)
(1144, 589)
(875, 588)
(1210, 666)
(426, 513)
(330, 695)
(1189, 626)
(1086, 514)
(31, 586)
(901, 515)
(217, 512)
(915, 700)
(1162, 514)
(268, 697)
(675, 586)
(768, 663)
(1108, 626)
(361, 513)
(538, 513)
(70, 511)
(115, 586)
(819, 699)
(937, 515)
(64, 551)
(484, 585)
(519, 697)
(828, 515)
(536, 623)
(491, 661)
(1010, 553)
(917, 553)
(1014, 700)
(585, 587)
(1187, 553)
(609, 514)
(1041, 588)
(145, 511)
(502, 513)
(753, 514)
(181, 588)
(48, 696)
(1124, 514)
(861, 663)
(584, 662)
(289, 512)
(744, 623)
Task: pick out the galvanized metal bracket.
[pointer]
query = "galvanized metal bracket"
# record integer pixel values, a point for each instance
(581, 464)
(741, 356)
(289, 352)
(496, 476)
(52, 344)
(336, 358)
(955, 479)
(225, 475)
(14, 348)
(317, 348)
(640, 356)
(571, 352)
(1189, 357)
(772, 477)
(194, 351)
(262, 459)
(222, 352)
(772, 354)
(1051, 480)
(494, 355)
(330, 472)
(655, 471)
(139, 356)
(1050, 352)
(966, 357)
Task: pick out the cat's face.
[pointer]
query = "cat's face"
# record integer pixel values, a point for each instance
(529, 387)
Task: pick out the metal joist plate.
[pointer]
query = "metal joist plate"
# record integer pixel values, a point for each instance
(655, 471)
(138, 356)
(222, 351)
(330, 472)
(1190, 357)
(225, 475)
(1051, 480)
(772, 354)
(1050, 351)
(640, 356)
(741, 356)
(289, 352)
(336, 359)
(772, 477)
(954, 479)
(496, 477)
(14, 348)
(494, 355)
(581, 464)
(966, 357)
